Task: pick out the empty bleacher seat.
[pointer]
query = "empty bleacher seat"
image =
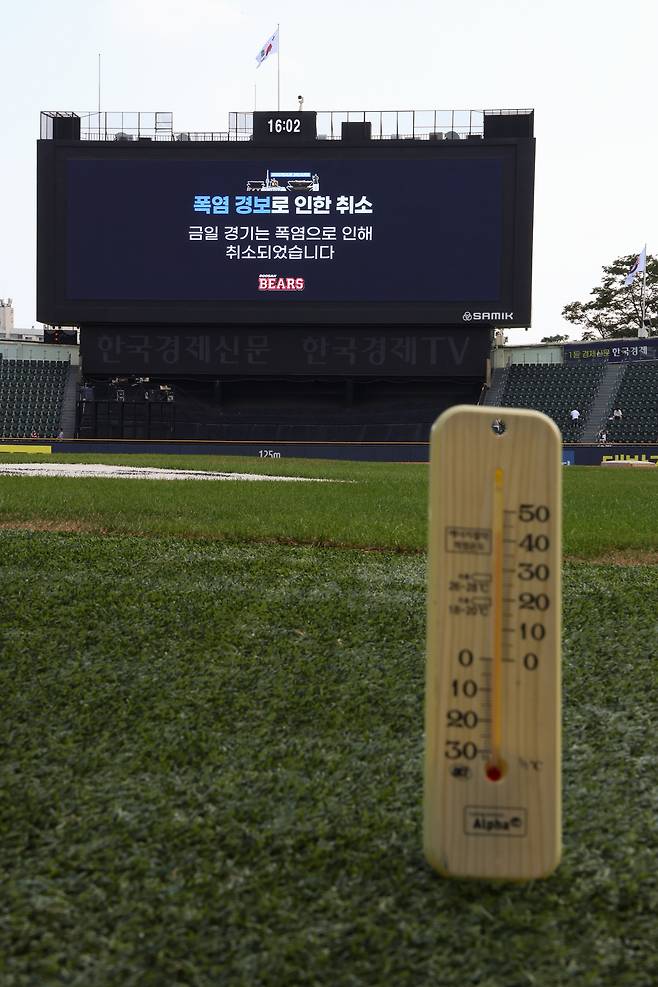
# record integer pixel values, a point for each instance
(31, 396)
(556, 390)
(637, 398)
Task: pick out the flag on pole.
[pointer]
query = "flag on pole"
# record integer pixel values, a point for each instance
(638, 267)
(271, 45)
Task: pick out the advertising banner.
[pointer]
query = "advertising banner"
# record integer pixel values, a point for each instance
(612, 351)
(354, 352)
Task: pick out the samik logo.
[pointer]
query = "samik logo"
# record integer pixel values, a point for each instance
(487, 316)
(270, 282)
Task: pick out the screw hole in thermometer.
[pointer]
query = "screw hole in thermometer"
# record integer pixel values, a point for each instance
(492, 801)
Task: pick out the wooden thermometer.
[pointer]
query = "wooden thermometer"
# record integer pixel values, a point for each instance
(492, 761)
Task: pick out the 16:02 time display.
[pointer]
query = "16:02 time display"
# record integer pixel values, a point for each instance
(286, 126)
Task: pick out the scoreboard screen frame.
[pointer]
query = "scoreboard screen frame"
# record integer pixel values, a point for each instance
(511, 309)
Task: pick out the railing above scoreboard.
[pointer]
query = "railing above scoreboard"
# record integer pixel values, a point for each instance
(159, 126)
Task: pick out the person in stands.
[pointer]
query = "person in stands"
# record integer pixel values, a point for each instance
(575, 414)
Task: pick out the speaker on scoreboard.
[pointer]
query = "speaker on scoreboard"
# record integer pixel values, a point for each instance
(355, 131)
(66, 128)
(509, 124)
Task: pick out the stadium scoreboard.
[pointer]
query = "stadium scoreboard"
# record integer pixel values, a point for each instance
(286, 230)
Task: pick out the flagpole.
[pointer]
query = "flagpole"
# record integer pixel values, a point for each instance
(99, 95)
(278, 67)
(642, 297)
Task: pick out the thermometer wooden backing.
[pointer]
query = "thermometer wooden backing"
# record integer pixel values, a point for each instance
(492, 800)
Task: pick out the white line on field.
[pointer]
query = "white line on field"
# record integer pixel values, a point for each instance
(96, 470)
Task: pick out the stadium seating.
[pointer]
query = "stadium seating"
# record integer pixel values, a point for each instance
(31, 394)
(554, 389)
(637, 397)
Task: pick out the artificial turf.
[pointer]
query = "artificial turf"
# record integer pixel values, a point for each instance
(213, 769)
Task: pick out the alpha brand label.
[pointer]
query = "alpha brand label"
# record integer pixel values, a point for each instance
(485, 821)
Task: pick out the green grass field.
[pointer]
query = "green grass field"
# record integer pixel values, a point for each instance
(376, 505)
(213, 736)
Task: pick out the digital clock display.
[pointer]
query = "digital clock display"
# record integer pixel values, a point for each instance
(284, 128)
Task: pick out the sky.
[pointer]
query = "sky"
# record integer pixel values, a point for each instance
(586, 67)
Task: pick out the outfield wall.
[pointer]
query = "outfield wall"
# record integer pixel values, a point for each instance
(594, 455)
(385, 452)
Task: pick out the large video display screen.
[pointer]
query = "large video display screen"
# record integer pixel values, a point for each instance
(236, 234)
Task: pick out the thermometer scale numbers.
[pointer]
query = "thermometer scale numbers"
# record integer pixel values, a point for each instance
(470, 721)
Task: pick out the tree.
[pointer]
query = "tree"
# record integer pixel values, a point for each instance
(554, 339)
(615, 311)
